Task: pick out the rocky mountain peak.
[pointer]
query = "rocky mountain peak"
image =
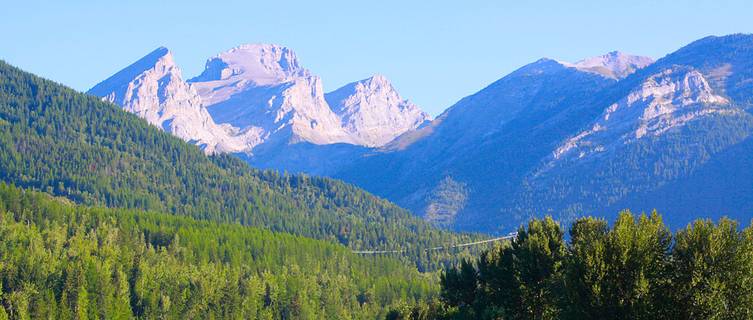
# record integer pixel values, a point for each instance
(262, 64)
(153, 89)
(159, 62)
(246, 66)
(615, 64)
(377, 81)
(144, 86)
(374, 112)
(258, 94)
(363, 89)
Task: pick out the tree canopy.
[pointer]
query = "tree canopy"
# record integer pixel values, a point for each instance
(635, 269)
(64, 261)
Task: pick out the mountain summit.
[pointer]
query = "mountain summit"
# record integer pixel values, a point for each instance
(153, 89)
(262, 87)
(246, 65)
(615, 65)
(258, 95)
(373, 111)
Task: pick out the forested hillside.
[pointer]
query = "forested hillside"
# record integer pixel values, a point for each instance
(64, 261)
(57, 140)
(635, 269)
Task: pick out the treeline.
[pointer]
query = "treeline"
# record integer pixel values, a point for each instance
(64, 261)
(56, 140)
(634, 270)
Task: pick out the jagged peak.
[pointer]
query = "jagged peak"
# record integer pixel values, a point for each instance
(377, 78)
(374, 83)
(257, 62)
(160, 56)
(373, 111)
(270, 53)
(257, 46)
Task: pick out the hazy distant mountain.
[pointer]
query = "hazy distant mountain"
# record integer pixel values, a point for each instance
(258, 101)
(473, 154)
(684, 117)
(616, 65)
(572, 139)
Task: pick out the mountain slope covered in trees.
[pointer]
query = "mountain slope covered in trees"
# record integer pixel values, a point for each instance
(64, 261)
(57, 140)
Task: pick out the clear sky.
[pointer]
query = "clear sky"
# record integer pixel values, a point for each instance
(434, 52)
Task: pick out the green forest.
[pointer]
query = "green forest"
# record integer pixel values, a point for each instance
(59, 260)
(56, 140)
(635, 269)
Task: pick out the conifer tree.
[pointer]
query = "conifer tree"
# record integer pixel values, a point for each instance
(3, 313)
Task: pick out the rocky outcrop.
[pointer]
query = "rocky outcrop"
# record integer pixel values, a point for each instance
(153, 89)
(373, 112)
(671, 98)
(258, 94)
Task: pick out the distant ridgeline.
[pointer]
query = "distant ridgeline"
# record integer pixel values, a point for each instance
(589, 138)
(69, 144)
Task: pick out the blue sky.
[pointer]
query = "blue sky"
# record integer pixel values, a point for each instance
(434, 52)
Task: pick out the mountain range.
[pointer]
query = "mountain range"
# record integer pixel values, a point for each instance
(76, 147)
(257, 97)
(104, 215)
(551, 138)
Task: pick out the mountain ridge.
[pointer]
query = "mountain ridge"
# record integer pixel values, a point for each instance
(259, 97)
(526, 135)
(497, 144)
(158, 94)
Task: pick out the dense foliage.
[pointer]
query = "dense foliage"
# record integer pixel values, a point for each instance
(57, 140)
(64, 261)
(634, 270)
